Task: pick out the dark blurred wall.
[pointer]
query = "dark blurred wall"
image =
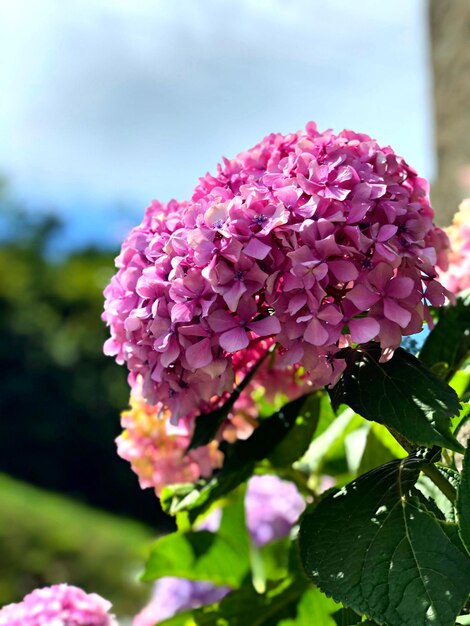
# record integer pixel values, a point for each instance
(450, 48)
(60, 398)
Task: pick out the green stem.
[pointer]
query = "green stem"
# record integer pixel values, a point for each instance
(440, 481)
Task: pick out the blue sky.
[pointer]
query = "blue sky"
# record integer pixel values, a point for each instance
(106, 104)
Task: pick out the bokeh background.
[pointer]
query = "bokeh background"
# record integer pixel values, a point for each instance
(107, 104)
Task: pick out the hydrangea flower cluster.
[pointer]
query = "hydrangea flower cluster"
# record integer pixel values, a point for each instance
(272, 507)
(307, 242)
(174, 595)
(59, 605)
(457, 276)
(156, 448)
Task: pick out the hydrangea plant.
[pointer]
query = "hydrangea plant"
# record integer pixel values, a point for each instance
(261, 323)
(318, 471)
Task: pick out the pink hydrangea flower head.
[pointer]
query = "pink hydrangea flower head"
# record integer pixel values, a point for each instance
(155, 447)
(59, 605)
(457, 275)
(307, 242)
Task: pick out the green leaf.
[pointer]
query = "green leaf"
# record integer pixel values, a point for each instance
(449, 342)
(401, 393)
(346, 617)
(222, 557)
(331, 438)
(463, 501)
(445, 507)
(376, 548)
(246, 607)
(375, 453)
(300, 434)
(239, 463)
(315, 609)
(269, 562)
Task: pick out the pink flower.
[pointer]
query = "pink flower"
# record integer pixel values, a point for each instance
(456, 276)
(307, 242)
(156, 449)
(59, 605)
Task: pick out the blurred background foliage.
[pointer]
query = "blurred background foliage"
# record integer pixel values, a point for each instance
(47, 538)
(60, 403)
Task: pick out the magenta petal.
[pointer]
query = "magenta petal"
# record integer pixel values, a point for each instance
(394, 312)
(362, 298)
(296, 303)
(390, 334)
(330, 314)
(171, 353)
(234, 340)
(233, 295)
(268, 326)
(316, 333)
(182, 312)
(386, 232)
(221, 321)
(380, 275)
(400, 287)
(364, 329)
(343, 270)
(335, 193)
(199, 354)
(257, 249)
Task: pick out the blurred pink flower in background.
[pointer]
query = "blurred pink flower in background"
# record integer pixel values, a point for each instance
(59, 605)
(457, 276)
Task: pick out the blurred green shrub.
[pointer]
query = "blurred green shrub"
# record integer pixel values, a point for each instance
(61, 397)
(47, 539)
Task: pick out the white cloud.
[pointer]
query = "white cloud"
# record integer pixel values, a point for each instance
(111, 99)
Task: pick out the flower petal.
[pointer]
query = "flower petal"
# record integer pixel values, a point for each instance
(364, 329)
(396, 313)
(257, 249)
(199, 354)
(268, 326)
(316, 334)
(234, 340)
